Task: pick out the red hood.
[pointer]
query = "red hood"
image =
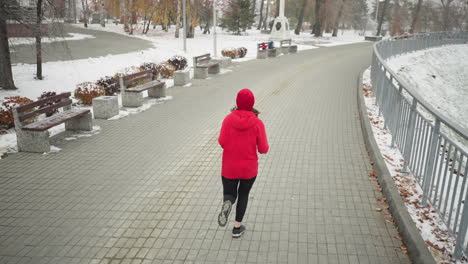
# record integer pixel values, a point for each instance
(242, 120)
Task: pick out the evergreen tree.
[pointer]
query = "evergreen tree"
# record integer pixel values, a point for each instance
(237, 16)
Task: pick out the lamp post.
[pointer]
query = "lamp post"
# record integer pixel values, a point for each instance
(215, 52)
(185, 25)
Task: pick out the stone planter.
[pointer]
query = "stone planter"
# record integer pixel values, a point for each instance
(224, 62)
(105, 107)
(285, 50)
(200, 73)
(262, 54)
(157, 91)
(181, 77)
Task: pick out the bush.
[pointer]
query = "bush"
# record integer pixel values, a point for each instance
(6, 109)
(150, 66)
(229, 52)
(234, 53)
(110, 84)
(178, 62)
(44, 95)
(127, 71)
(87, 91)
(166, 69)
(242, 51)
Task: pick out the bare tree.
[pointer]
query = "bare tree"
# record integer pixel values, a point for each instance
(446, 14)
(6, 81)
(317, 28)
(84, 4)
(301, 18)
(381, 18)
(38, 37)
(102, 13)
(261, 15)
(417, 11)
(338, 18)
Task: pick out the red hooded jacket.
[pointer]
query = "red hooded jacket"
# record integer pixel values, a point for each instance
(242, 134)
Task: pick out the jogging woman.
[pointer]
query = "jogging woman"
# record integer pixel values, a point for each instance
(242, 134)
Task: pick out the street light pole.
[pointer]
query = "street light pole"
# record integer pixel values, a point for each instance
(215, 52)
(185, 25)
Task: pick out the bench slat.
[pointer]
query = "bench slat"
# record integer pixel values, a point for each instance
(136, 80)
(144, 87)
(45, 110)
(131, 76)
(54, 98)
(54, 120)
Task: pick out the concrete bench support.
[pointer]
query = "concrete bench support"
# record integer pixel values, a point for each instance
(223, 62)
(285, 50)
(214, 69)
(293, 49)
(272, 53)
(33, 141)
(84, 123)
(157, 91)
(262, 54)
(200, 73)
(105, 107)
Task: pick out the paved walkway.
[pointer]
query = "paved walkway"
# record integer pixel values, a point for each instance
(147, 189)
(103, 44)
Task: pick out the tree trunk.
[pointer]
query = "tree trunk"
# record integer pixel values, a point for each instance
(144, 25)
(124, 13)
(38, 40)
(317, 29)
(379, 27)
(206, 30)
(148, 24)
(102, 12)
(446, 14)
(416, 16)
(74, 11)
(338, 18)
(85, 13)
(277, 8)
(178, 19)
(298, 29)
(132, 12)
(261, 16)
(6, 81)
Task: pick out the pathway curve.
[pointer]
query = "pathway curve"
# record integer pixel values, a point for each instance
(103, 44)
(147, 189)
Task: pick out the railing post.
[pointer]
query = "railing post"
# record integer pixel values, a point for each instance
(459, 245)
(433, 151)
(398, 113)
(410, 135)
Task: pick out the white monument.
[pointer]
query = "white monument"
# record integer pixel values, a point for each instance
(280, 29)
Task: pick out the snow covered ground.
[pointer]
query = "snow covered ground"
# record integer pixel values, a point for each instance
(440, 75)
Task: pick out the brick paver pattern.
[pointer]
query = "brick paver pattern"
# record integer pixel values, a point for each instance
(147, 189)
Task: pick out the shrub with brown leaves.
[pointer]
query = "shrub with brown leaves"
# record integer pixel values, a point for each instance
(87, 91)
(6, 109)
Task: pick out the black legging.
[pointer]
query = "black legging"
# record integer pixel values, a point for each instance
(234, 187)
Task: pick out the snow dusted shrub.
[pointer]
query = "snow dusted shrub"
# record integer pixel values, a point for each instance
(241, 52)
(150, 66)
(87, 91)
(44, 95)
(230, 53)
(179, 62)
(6, 109)
(110, 84)
(128, 71)
(166, 69)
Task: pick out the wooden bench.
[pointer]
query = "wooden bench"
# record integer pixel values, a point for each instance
(286, 46)
(270, 50)
(32, 133)
(140, 82)
(203, 65)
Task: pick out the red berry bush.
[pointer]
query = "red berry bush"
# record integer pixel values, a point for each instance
(87, 91)
(6, 109)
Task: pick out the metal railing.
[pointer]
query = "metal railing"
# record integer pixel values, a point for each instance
(434, 147)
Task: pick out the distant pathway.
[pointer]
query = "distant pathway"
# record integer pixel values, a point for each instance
(147, 189)
(103, 44)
